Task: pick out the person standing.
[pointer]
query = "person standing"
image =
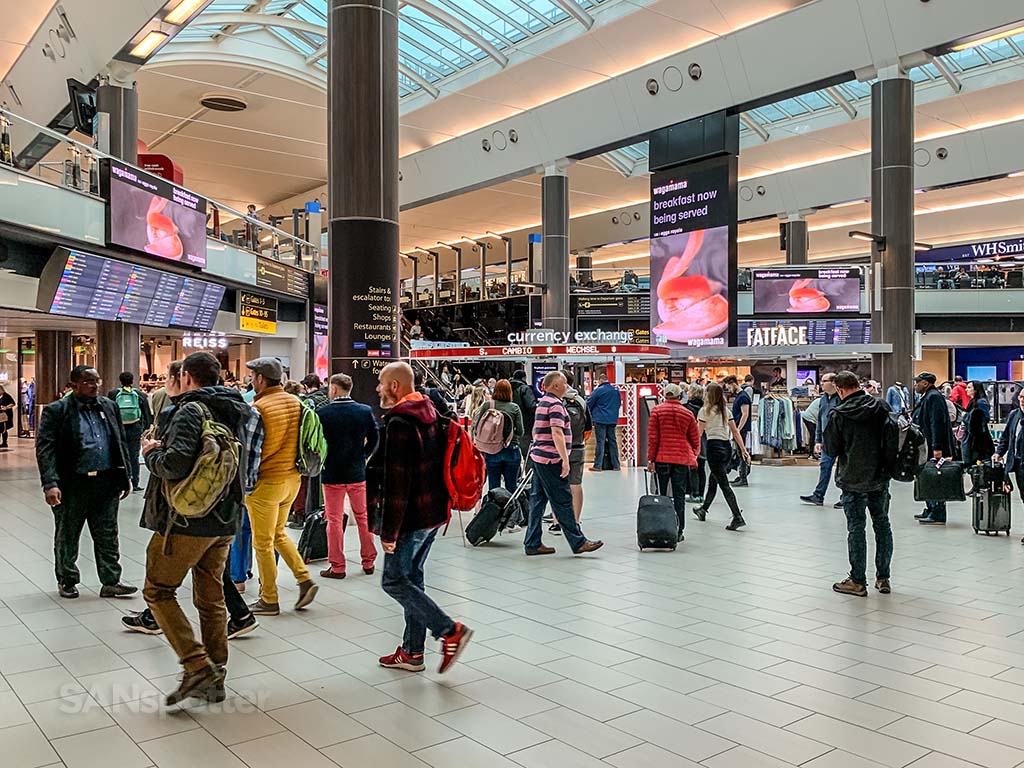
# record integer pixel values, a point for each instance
(552, 439)
(83, 461)
(504, 465)
(897, 397)
(716, 421)
(581, 424)
(698, 477)
(932, 416)
(828, 400)
(673, 443)
(976, 444)
(410, 499)
(351, 434)
(854, 437)
(1011, 444)
(7, 407)
(604, 404)
(959, 393)
(435, 395)
(276, 487)
(524, 396)
(136, 417)
(160, 399)
(742, 414)
(197, 545)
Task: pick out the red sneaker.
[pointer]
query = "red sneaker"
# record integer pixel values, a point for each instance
(452, 646)
(402, 660)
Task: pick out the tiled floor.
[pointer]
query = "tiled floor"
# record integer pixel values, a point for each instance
(729, 653)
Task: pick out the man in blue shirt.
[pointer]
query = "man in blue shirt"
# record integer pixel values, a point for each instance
(604, 404)
(742, 405)
(829, 400)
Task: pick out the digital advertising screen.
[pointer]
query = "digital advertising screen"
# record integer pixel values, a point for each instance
(765, 334)
(806, 290)
(321, 342)
(78, 284)
(693, 254)
(151, 215)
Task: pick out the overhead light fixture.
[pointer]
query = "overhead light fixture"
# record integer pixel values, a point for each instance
(183, 11)
(989, 38)
(878, 240)
(1016, 175)
(848, 203)
(148, 44)
(923, 246)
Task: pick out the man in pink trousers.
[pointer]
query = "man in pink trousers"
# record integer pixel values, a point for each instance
(351, 433)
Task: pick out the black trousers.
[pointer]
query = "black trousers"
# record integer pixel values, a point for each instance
(719, 459)
(133, 434)
(92, 501)
(679, 475)
(699, 478)
(232, 597)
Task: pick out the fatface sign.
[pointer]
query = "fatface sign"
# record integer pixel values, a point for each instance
(544, 336)
(777, 336)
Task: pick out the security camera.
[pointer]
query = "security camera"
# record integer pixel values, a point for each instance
(652, 86)
(513, 136)
(942, 153)
(761, 191)
(695, 71)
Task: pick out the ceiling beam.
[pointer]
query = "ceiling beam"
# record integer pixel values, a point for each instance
(458, 26)
(577, 11)
(420, 80)
(842, 101)
(948, 75)
(755, 126)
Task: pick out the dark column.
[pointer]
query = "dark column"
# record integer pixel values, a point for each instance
(53, 364)
(362, 97)
(117, 343)
(584, 267)
(555, 251)
(892, 217)
(796, 241)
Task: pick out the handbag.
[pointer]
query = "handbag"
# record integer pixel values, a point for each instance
(940, 480)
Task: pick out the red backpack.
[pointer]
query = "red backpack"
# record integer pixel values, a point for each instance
(465, 469)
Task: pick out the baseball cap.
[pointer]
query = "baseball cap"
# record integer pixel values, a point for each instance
(925, 376)
(270, 367)
(673, 391)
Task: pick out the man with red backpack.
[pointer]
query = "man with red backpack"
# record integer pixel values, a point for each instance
(408, 499)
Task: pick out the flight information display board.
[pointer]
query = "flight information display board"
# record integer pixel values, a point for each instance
(98, 288)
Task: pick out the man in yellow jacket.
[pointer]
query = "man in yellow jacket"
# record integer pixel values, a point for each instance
(277, 485)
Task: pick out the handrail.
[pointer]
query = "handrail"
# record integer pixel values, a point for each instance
(96, 154)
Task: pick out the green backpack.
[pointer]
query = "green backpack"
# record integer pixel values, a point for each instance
(312, 453)
(211, 477)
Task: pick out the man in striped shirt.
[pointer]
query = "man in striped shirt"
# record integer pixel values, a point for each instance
(552, 438)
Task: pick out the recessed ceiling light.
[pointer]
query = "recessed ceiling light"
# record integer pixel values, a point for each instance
(148, 44)
(183, 11)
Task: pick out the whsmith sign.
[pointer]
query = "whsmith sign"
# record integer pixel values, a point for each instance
(1014, 247)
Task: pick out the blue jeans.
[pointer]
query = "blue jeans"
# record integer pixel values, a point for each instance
(824, 473)
(403, 580)
(549, 486)
(877, 503)
(605, 436)
(504, 465)
(240, 558)
(936, 510)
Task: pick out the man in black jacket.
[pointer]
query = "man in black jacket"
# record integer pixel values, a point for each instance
(854, 437)
(136, 416)
(932, 416)
(524, 396)
(199, 545)
(1011, 445)
(83, 465)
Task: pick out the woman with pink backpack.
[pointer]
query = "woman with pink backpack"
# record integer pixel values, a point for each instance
(497, 427)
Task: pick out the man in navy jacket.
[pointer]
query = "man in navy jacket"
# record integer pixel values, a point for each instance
(604, 404)
(351, 434)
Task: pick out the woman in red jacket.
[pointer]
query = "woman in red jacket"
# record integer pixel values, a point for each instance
(673, 444)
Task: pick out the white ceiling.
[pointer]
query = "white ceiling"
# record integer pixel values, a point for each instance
(20, 22)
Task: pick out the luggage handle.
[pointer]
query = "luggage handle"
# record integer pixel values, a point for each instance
(651, 482)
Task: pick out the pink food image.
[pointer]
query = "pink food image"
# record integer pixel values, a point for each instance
(690, 306)
(805, 299)
(161, 232)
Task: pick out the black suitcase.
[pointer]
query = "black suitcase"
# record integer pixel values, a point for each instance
(499, 510)
(991, 512)
(940, 481)
(657, 526)
(313, 541)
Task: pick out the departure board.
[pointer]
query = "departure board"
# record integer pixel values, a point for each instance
(99, 288)
(767, 333)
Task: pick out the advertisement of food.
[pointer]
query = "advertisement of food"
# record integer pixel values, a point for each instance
(321, 342)
(151, 215)
(693, 254)
(807, 290)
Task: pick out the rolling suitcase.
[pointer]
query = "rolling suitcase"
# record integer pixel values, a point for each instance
(991, 507)
(657, 526)
(499, 510)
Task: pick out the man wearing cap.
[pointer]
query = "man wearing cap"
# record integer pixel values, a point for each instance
(932, 416)
(277, 485)
(673, 445)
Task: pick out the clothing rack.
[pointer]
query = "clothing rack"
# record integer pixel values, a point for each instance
(777, 428)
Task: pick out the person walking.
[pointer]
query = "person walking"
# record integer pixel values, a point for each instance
(7, 407)
(83, 461)
(673, 443)
(698, 477)
(604, 404)
(581, 424)
(828, 400)
(196, 545)
(136, 417)
(160, 399)
(552, 439)
(1011, 444)
(524, 396)
(716, 421)
(854, 438)
(409, 497)
(351, 434)
(504, 466)
(435, 395)
(276, 488)
(742, 414)
(976, 445)
(932, 416)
